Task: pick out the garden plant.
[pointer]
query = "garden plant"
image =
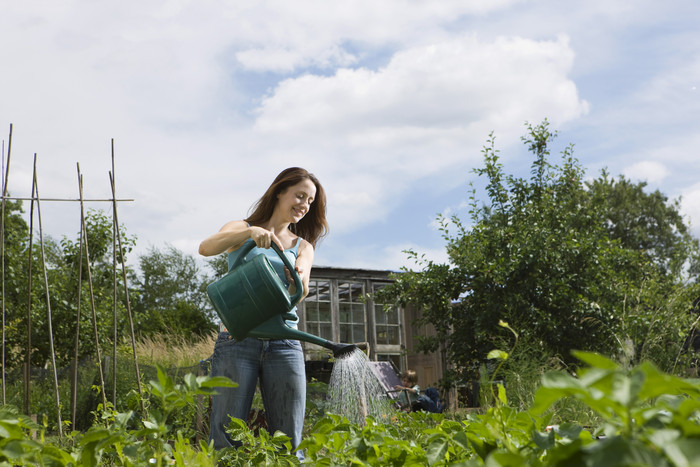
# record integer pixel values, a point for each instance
(646, 417)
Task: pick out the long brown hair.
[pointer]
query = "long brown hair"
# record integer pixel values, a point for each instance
(313, 226)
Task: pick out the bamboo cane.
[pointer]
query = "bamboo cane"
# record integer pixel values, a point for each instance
(28, 354)
(6, 173)
(48, 301)
(74, 384)
(92, 294)
(126, 295)
(115, 227)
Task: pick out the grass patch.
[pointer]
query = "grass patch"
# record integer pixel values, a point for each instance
(172, 351)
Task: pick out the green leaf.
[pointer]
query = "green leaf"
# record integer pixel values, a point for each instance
(218, 381)
(436, 450)
(503, 458)
(595, 360)
(658, 383)
(150, 425)
(18, 448)
(618, 451)
(499, 354)
(502, 394)
(626, 389)
(543, 440)
(684, 451)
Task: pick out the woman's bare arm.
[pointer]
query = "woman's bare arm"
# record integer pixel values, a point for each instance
(233, 235)
(229, 237)
(304, 263)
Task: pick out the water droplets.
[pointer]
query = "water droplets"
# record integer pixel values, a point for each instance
(355, 392)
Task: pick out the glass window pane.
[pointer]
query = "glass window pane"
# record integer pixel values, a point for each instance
(344, 312)
(358, 333)
(352, 314)
(387, 319)
(326, 331)
(317, 307)
(379, 316)
(311, 313)
(345, 334)
(392, 335)
(324, 312)
(343, 292)
(358, 313)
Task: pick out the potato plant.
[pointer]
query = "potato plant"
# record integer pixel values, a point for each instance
(648, 417)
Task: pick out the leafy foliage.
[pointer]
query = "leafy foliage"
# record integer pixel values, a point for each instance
(172, 295)
(648, 418)
(576, 264)
(161, 437)
(16, 236)
(168, 295)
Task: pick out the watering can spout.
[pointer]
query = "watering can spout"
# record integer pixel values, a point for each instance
(340, 350)
(277, 328)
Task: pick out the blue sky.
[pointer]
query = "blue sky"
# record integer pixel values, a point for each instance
(388, 103)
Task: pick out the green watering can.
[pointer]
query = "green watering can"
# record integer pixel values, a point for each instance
(252, 301)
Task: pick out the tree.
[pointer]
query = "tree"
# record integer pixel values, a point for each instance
(69, 288)
(16, 237)
(63, 263)
(542, 254)
(647, 222)
(172, 297)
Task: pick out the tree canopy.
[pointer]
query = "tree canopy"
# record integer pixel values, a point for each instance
(569, 263)
(166, 294)
(172, 295)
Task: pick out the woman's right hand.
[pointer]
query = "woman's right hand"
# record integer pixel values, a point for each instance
(263, 238)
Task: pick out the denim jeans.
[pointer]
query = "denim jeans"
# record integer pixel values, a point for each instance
(279, 363)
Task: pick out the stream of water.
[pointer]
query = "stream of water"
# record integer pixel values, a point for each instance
(355, 392)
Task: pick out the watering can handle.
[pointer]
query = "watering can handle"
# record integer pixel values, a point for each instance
(249, 245)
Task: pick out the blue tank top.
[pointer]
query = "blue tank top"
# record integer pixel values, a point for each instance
(276, 262)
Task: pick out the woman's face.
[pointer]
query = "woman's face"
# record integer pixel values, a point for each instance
(295, 201)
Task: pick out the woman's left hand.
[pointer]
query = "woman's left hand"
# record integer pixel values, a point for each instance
(292, 285)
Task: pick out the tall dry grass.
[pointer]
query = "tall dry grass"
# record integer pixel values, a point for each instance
(173, 351)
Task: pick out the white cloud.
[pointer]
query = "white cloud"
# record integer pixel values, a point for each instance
(378, 256)
(650, 171)
(283, 36)
(377, 98)
(369, 135)
(428, 110)
(690, 207)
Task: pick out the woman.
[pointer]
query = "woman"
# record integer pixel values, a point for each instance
(292, 214)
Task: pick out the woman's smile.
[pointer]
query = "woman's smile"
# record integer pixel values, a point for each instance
(297, 199)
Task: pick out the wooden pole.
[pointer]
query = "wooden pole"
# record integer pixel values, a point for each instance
(48, 302)
(28, 353)
(74, 384)
(115, 227)
(126, 291)
(6, 173)
(92, 294)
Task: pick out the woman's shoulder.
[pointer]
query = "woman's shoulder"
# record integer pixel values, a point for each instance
(235, 225)
(303, 244)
